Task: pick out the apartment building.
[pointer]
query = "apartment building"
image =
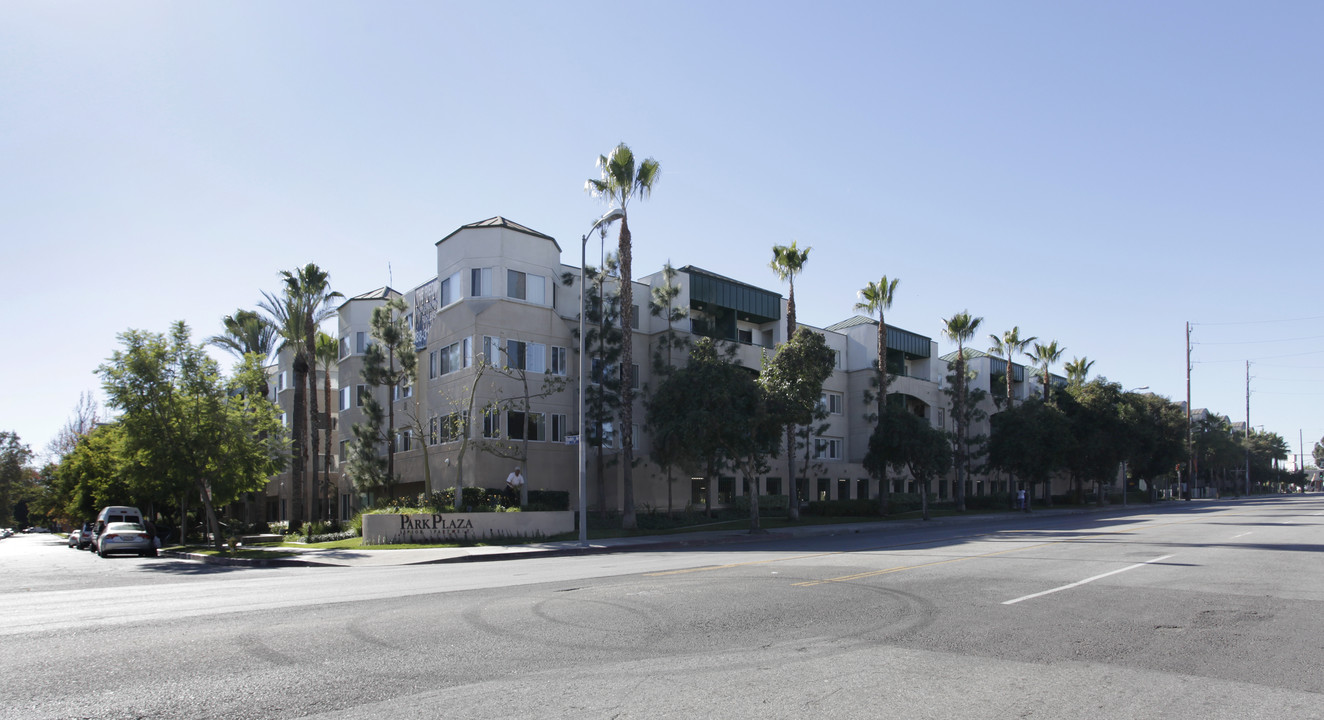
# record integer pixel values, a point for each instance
(499, 382)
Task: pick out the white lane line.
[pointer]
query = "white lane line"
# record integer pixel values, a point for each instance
(1234, 537)
(1086, 580)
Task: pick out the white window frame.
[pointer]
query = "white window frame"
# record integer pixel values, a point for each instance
(480, 282)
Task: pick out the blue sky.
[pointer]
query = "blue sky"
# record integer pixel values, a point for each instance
(1098, 174)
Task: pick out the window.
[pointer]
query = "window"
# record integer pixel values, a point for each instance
(454, 426)
(432, 364)
(280, 381)
(344, 448)
(526, 426)
(492, 351)
(515, 354)
(515, 284)
(403, 391)
(746, 336)
(434, 424)
(345, 397)
(284, 420)
(515, 424)
(450, 289)
(536, 360)
(558, 427)
(827, 448)
(831, 402)
(523, 286)
(634, 376)
(344, 347)
(559, 358)
(403, 440)
(608, 435)
(480, 282)
(455, 356)
(361, 395)
(491, 422)
(360, 343)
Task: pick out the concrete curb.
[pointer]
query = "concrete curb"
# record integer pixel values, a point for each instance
(653, 543)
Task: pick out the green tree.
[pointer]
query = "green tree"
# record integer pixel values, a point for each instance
(792, 383)
(663, 305)
(1046, 356)
(1007, 347)
(959, 328)
(1030, 441)
(304, 303)
(1157, 427)
(602, 393)
(621, 181)
(186, 429)
(1077, 370)
(246, 332)
(1099, 438)
(711, 407)
(14, 458)
(327, 357)
(95, 474)
(390, 362)
(787, 262)
(877, 297)
(908, 443)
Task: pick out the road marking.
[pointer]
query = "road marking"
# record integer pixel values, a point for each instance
(1234, 537)
(1086, 580)
(875, 573)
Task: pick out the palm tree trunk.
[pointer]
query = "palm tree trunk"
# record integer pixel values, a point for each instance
(330, 513)
(793, 508)
(299, 436)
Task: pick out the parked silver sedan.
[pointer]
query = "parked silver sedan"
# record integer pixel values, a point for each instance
(125, 538)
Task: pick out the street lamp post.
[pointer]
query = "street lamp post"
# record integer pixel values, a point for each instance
(612, 216)
(1143, 387)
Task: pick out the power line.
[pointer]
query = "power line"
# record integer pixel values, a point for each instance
(1256, 342)
(1262, 322)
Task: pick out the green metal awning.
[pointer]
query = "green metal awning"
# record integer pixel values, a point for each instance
(750, 303)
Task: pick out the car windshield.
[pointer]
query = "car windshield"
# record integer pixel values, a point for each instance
(124, 527)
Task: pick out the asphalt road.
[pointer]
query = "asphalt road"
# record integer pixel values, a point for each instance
(1204, 609)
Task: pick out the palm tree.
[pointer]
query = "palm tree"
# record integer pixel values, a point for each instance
(788, 261)
(960, 328)
(287, 316)
(1008, 346)
(1078, 369)
(620, 182)
(313, 287)
(877, 297)
(1046, 355)
(246, 332)
(302, 306)
(327, 356)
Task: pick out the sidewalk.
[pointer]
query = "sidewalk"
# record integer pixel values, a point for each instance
(353, 557)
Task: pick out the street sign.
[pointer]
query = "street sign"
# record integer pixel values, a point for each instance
(571, 439)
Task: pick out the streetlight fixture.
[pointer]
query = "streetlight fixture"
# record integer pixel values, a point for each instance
(612, 216)
(1142, 387)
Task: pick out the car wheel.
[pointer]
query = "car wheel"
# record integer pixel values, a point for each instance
(102, 553)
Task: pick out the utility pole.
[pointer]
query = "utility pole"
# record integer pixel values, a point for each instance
(1190, 453)
(1247, 427)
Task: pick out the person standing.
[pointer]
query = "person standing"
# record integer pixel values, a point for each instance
(514, 488)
